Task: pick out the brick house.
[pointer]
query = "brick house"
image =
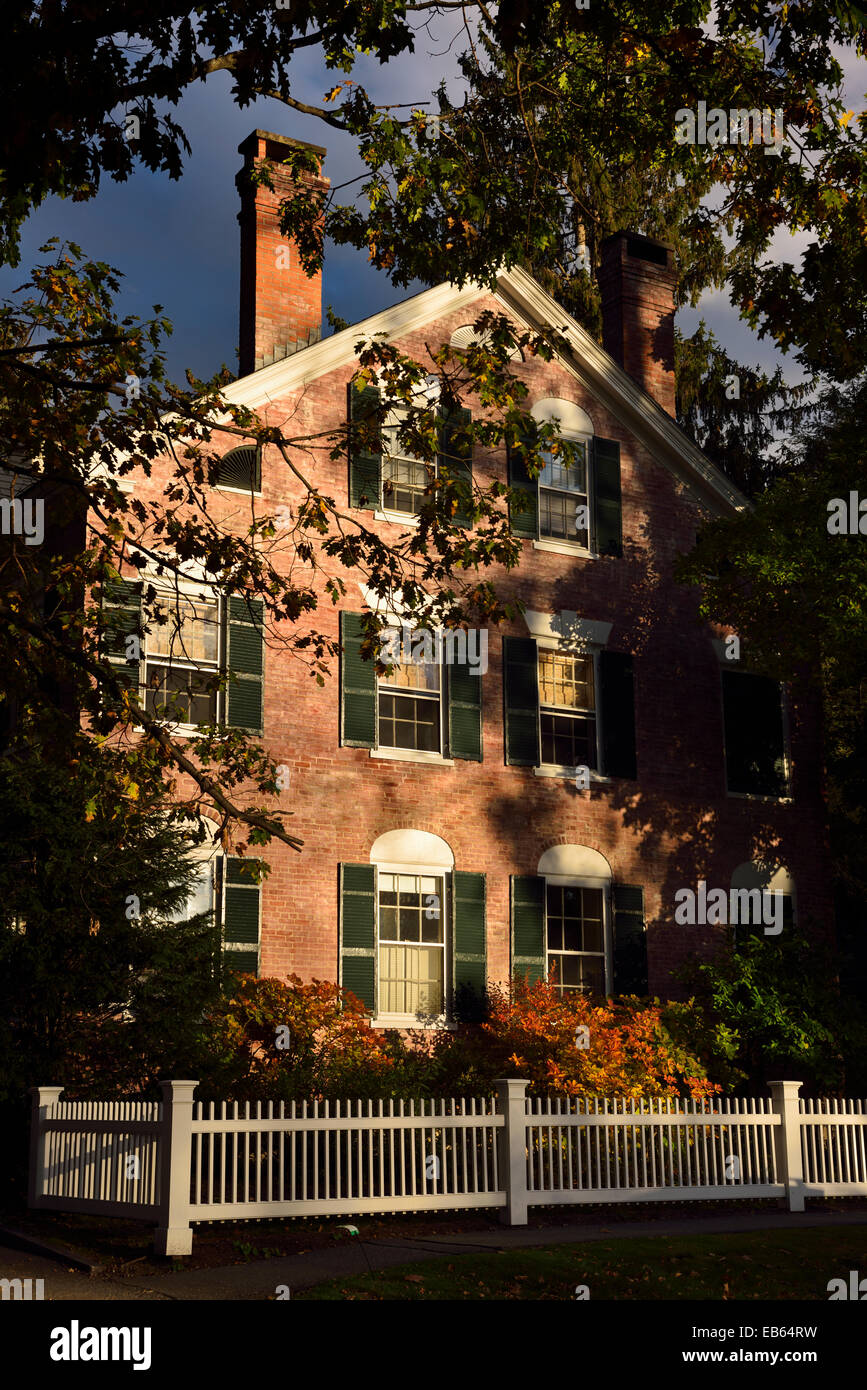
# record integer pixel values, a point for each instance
(448, 840)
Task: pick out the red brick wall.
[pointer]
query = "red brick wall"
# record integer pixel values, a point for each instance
(672, 826)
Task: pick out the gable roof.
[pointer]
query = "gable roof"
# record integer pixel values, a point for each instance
(524, 300)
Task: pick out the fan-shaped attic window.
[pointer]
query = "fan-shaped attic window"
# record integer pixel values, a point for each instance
(241, 469)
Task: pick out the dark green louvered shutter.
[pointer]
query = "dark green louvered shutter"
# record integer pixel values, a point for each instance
(365, 457)
(528, 926)
(465, 712)
(618, 714)
(241, 909)
(470, 945)
(357, 687)
(358, 931)
(608, 508)
(524, 522)
(456, 456)
(630, 940)
(521, 695)
(244, 662)
(121, 618)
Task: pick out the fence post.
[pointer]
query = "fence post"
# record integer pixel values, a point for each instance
(512, 1105)
(43, 1097)
(787, 1136)
(174, 1235)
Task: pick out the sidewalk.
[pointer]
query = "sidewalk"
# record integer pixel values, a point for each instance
(259, 1279)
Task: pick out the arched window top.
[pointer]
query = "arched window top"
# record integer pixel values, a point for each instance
(573, 420)
(768, 878)
(466, 335)
(574, 861)
(241, 468)
(412, 847)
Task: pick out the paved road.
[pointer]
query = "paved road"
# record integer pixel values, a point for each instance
(259, 1278)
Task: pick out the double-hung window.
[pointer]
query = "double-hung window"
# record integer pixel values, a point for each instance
(575, 934)
(563, 495)
(567, 710)
(404, 477)
(182, 659)
(174, 651)
(410, 707)
(412, 969)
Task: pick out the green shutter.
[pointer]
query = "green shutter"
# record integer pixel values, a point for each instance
(241, 910)
(528, 926)
(618, 714)
(121, 618)
(469, 935)
(754, 743)
(456, 456)
(465, 712)
(244, 661)
(608, 507)
(365, 457)
(244, 962)
(524, 522)
(358, 932)
(357, 687)
(521, 695)
(630, 940)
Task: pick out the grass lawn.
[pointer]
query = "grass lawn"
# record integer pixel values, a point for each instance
(758, 1264)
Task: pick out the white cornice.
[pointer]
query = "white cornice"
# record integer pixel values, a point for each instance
(524, 299)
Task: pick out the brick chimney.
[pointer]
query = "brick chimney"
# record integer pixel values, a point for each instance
(637, 280)
(281, 307)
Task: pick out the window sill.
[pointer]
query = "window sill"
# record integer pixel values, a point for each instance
(552, 770)
(411, 1021)
(787, 800)
(565, 548)
(397, 518)
(410, 755)
(238, 491)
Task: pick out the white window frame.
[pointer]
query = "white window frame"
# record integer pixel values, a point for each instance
(585, 881)
(593, 650)
(394, 1020)
(180, 588)
(561, 410)
(428, 391)
(567, 546)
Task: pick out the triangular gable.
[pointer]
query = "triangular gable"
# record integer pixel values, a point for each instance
(526, 302)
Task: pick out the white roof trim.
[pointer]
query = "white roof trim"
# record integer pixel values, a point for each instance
(523, 299)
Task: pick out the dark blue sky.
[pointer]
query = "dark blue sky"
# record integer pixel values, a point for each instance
(177, 243)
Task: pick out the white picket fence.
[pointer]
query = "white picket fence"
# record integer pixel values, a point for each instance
(175, 1162)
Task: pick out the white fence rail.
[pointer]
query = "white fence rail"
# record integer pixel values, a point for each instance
(176, 1161)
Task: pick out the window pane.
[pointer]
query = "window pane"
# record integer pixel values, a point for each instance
(567, 472)
(567, 740)
(404, 479)
(190, 631)
(566, 681)
(407, 722)
(559, 513)
(576, 952)
(180, 695)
